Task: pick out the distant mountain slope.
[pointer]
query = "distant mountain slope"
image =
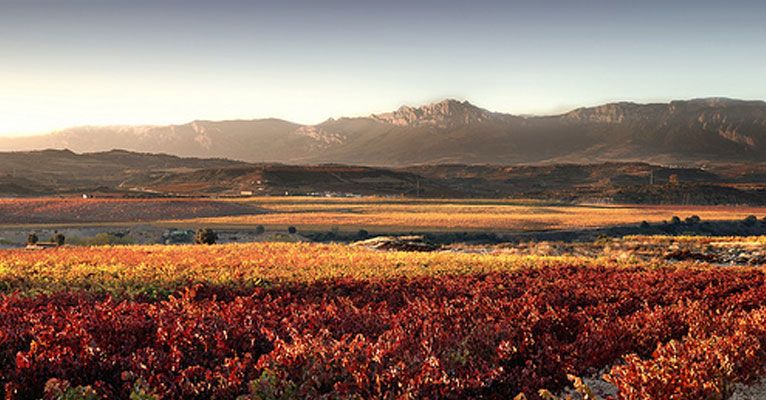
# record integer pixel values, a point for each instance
(263, 140)
(49, 172)
(60, 171)
(276, 179)
(694, 131)
(119, 172)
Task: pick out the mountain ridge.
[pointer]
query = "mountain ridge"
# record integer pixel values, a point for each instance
(681, 131)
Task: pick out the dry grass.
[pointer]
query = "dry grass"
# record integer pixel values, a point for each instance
(374, 214)
(377, 214)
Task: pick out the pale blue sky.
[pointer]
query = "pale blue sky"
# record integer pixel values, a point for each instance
(74, 62)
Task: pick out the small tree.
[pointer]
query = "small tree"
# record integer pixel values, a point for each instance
(205, 236)
(291, 230)
(363, 234)
(259, 230)
(750, 220)
(32, 239)
(59, 239)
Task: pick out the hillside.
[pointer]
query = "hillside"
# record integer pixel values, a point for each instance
(276, 179)
(63, 171)
(611, 182)
(123, 173)
(120, 172)
(450, 131)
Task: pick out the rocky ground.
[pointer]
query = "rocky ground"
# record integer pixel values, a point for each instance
(722, 251)
(755, 390)
(398, 243)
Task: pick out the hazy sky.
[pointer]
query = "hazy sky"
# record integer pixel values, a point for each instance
(74, 62)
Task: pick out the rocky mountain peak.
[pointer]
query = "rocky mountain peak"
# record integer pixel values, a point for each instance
(448, 112)
(611, 113)
(717, 102)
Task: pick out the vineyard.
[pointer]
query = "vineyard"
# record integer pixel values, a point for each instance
(459, 215)
(72, 210)
(281, 321)
(351, 214)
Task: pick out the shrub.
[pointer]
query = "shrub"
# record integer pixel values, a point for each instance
(205, 236)
(694, 219)
(32, 239)
(292, 230)
(675, 220)
(259, 230)
(178, 236)
(602, 240)
(62, 389)
(363, 234)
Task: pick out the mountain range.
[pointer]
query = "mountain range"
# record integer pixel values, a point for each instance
(680, 132)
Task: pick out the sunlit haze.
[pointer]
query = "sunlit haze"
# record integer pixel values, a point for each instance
(68, 63)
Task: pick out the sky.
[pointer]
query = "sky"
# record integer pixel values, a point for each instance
(74, 62)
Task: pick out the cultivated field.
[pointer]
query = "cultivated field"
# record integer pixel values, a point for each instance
(78, 210)
(372, 214)
(274, 321)
(403, 215)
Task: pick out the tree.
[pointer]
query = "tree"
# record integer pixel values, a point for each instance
(259, 230)
(750, 220)
(291, 230)
(32, 239)
(205, 236)
(59, 239)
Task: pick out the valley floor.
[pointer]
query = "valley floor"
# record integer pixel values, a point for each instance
(147, 221)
